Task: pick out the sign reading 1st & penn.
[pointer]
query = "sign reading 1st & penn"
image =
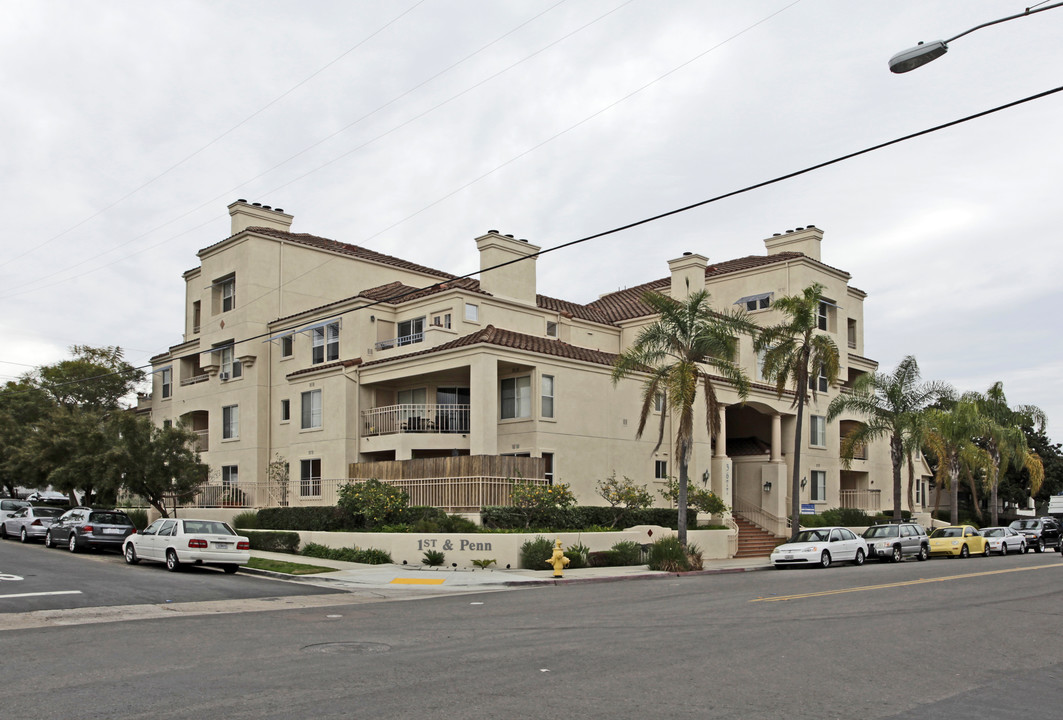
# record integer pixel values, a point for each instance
(458, 544)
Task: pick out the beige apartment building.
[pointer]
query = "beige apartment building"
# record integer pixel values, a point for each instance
(321, 357)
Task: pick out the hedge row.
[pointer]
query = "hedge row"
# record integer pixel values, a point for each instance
(287, 542)
(337, 519)
(584, 517)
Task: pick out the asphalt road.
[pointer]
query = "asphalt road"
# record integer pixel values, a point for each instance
(977, 638)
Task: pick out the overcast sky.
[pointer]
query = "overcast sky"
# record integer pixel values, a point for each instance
(412, 127)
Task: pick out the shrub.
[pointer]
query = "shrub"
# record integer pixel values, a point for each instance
(586, 517)
(627, 552)
(484, 563)
(536, 502)
(697, 497)
(376, 502)
(247, 519)
(535, 553)
(668, 555)
(273, 541)
(434, 558)
(848, 517)
(623, 496)
(369, 556)
(577, 555)
(333, 519)
(138, 516)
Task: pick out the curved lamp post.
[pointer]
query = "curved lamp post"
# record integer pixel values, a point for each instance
(923, 53)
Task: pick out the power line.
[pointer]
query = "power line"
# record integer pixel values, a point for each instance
(628, 226)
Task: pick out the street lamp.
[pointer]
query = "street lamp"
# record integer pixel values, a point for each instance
(923, 53)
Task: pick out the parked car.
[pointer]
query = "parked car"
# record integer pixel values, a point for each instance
(821, 546)
(48, 496)
(29, 523)
(958, 541)
(896, 541)
(1004, 540)
(10, 506)
(1040, 532)
(82, 527)
(185, 541)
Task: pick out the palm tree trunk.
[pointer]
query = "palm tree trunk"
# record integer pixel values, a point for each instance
(974, 495)
(993, 496)
(954, 490)
(682, 499)
(795, 483)
(897, 459)
(911, 481)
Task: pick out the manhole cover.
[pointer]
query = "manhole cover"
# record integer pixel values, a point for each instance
(347, 648)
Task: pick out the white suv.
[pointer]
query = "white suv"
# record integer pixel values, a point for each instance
(896, 541)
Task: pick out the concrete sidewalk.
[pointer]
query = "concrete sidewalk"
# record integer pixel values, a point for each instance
(356, 575)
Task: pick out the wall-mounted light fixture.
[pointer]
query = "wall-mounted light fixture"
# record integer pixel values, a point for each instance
(804, 481)
(767, 486)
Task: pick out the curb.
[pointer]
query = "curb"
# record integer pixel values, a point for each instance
(641, 576)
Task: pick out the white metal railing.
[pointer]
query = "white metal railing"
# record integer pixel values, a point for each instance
(763, 519)
(415, 418)
(732, 539)
(860, 499)
(398, 341)
(195, 379)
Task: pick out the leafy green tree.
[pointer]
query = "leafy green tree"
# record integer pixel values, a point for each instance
(1016, 484)
(698, 498)
(623, 495)
(891, 404)
(157, 463)
(537, 502)
(375, 501)
(23, 406)
(679, 354)
(794, 351)
(950, 437)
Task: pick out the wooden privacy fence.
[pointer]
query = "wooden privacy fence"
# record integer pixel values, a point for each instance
(451, 466)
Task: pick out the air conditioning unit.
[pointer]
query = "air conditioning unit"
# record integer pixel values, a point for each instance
(223, 376)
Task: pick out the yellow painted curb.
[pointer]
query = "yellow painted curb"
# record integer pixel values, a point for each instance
(417, 581)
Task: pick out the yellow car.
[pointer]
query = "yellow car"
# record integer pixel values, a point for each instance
(958, 540)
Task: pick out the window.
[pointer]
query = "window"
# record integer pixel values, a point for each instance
(223, 294)
(472, 312)
(196, 315)
(660, 469)
(551, 328)
(819, 485)
(442, 320)
(548, 396)
(230, 475)
(548, 467)
(167, 423)
(326, 343)
(230, 366)
(411, 331)
(310, 477)
(287, 346)
(760, 365)
(758, 303)
(230, 422)
(286, 410)
(167, 382)
(516, 397)
(658, 402)
(851, 328)
(818, 382)
(823, 310)
(311, 409)
(817, 431)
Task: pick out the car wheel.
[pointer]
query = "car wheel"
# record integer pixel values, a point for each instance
(924, 553)
(131, 554)
(24, 536)
(72, 544)
(230, 569)
(985, 550)
(172, 563)
(1004, 547)
(824, 559)
(3, 532)
(1040, 545)
(964, 552)
(48, 539)
(859, 558)
(1023, 549)
(896, 556)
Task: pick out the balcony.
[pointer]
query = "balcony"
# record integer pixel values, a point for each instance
(867, 500)
(202, 440)
(195, 379)
(415, 418)
(399, 341)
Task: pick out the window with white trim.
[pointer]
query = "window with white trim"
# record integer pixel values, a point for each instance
(658, 402)
(230, 422)
(311, 409)
(326, 343)
(286, 410)
(223, 294)
(824, 310)
(230, 367)
(310, 477)
(817, 431)
(548, 467)
(551, 328)
(441, 320)
(411, 331)
(230, 475)
(167, 382)
(819, 485)
(660, 469)
(818, 381)
(516, 397)
(548, 396)
(472, 312)
(287, 346)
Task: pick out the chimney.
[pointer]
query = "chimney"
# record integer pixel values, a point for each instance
(803, 240)
(245, 215)
(515, 281)
(688, 275)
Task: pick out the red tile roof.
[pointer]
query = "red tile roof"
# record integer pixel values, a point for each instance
(326, 366)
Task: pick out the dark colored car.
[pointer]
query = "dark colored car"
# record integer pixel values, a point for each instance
(84, 527)
(1040, 532)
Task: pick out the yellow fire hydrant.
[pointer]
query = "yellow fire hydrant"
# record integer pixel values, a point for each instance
(558, 560)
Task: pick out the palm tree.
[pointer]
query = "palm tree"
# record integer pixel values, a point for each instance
(1005, 440)
(676, 352)
(793, 351)
(891, 403)
(950, 437)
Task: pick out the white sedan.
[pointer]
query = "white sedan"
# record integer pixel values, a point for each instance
(1004, 540)
(821, 546)
(178, 542)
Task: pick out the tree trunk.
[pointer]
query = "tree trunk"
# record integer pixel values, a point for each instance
(682, 499)
(795, 484)
(954, 490)
(993, 507)
(974, 496)
(911, 481)
(897, 459)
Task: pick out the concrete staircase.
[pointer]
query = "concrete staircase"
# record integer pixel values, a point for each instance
(752, 541)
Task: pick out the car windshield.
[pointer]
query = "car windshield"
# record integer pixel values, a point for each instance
(948, 532)
(993, 532)
(47, 512)
(881, 531)
(1025, 524)
(105, 518)
(820, 535)
(207, 527)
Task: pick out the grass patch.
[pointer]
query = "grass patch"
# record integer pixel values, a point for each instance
(288, 568)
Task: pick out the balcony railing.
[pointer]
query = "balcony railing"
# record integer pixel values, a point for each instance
(859, 451)
(401, 340)
(415, 418)
(202, 440)
(861, 499)
(195, 379)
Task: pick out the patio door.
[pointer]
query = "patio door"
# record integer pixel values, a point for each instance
(452, 409)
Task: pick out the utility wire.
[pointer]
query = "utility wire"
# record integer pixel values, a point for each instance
(628, 226)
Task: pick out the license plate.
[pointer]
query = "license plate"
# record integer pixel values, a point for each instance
(789, 557)
(112, 531)
(223, 546)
